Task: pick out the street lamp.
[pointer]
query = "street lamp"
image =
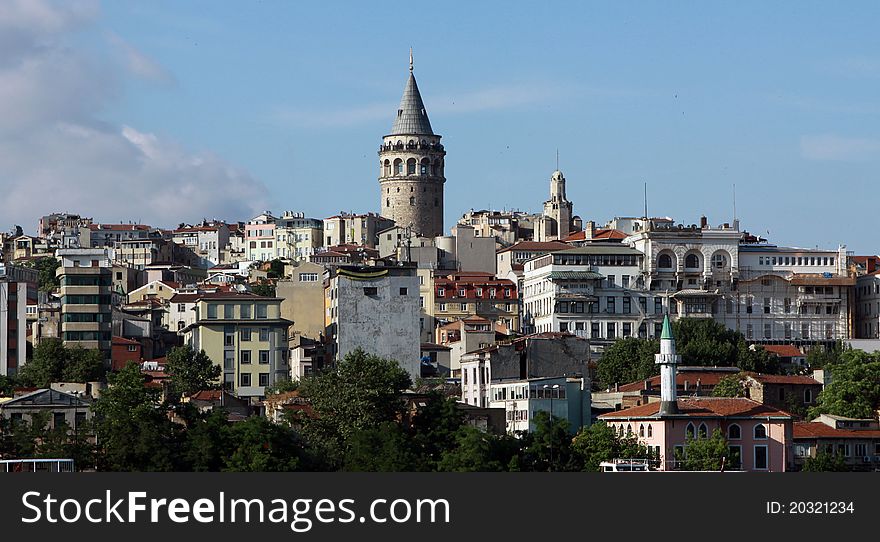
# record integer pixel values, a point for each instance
(547, 387)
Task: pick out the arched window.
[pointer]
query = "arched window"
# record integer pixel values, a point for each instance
(388, 202)
(412, 200)
(411, 166)
(664, 261)
(412, 189)
(808, 396)
(642, 430)
(629, 430)
(425, 164)
(703, 431)
(398, 166)
(650, 431)
(620, 430)
(719, 261)
(760, 431)
(734, 432)
(387, 168)
(691, 261)
(689, 431)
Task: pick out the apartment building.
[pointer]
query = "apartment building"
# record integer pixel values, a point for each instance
(86, 281)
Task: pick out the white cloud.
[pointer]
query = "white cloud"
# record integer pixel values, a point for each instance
(837, 148)
(139, 64)
(56, 153)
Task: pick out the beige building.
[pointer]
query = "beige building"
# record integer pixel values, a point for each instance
(302, 298)
(246, 336)
(354, 229)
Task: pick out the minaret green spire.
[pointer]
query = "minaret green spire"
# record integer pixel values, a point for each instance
(667, 328)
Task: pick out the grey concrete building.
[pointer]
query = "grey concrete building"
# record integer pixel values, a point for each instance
(376, 309)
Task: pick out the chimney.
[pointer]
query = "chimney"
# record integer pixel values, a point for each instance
(647, 384)
(699, 387)
(589, 229)
(704, 222)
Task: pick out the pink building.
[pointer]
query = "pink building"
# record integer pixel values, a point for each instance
(757, 434)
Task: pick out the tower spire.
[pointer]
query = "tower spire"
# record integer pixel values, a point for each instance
(668, 361)
(410, 60)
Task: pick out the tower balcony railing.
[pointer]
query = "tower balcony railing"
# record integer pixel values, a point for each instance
(411, 147)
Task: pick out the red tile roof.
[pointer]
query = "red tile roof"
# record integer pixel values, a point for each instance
(812, 430)
(123, 340)
(706, 378)
(705, 407)
(600, 234)
(784, 350)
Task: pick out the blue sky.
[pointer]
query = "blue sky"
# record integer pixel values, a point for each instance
(290, 99)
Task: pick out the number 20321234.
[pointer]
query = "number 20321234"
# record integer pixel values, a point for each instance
(810, 507)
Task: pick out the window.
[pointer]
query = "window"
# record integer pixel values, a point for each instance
(624, 281)
(650, 431)
(371, 290)
(610, 281)
(658, 305)
(627, 329)
(245, 311)
(228, 311)
(642, 430)
(609, 304)
(734, 432)
(132, 348)
(229, 360)
(689, 431)
(264, 334)
(264, 379)
(768, 331)
(442, 307)
(735, 457)
(58, 419)
(264, 356)
(244, 379)
(244, 356)
(212, 311)
(627, 305)
(719, 261)
(664, 261)
(691, 261)
(761, 457)
(462, 292)
(262, 311)
(441, 292)
(760, 431)
(245, 333)
(703, 431)
(403, 291)
(611, 333)
(808, 396)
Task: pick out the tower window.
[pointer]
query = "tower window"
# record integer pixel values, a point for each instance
(411, 166)
(412, 200)
(388, 202)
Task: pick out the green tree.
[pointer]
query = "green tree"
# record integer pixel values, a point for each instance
(360, 392)
(258, 445)
(207, 442)
(819, 357)
(81, 365)
(548, 446)
(825, 462)
(477, 451)
(435, 427)
(134, 432)
(282, 386)
(384, 448)
(7, 385)
(53, 362)
(276, 269)
(46, 365)
(730, 386)
(628, 360)
(46, 266)
(190, 371)
(707, 454)
(600, 442)
(854, 390)
(265, 289)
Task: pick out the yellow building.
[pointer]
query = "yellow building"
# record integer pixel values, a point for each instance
(246, 336)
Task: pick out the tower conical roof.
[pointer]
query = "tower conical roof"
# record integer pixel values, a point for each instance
(667, 328)
(411, 115)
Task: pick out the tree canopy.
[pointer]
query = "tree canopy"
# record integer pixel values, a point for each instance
(854, 390)
(52, 361)
(190, 371)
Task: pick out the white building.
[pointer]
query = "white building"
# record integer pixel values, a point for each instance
(867, 311)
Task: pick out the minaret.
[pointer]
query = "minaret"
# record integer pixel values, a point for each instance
(411, 164)
(667, 359)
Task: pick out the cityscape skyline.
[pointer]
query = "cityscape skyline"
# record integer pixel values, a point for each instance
(154, 110)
